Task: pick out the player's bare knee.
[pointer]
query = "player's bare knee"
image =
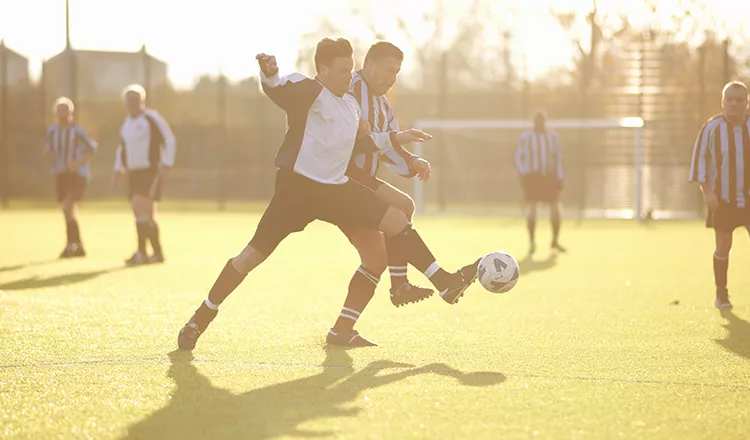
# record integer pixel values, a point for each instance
(375, 261)
(408, 207)
(248, 259)
(723, 244)
(394, 221)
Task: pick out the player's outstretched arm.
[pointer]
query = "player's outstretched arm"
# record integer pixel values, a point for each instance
(293, 92)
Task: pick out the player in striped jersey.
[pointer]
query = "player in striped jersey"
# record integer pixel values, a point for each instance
(70, 149)
(540, 166)
(721, 163)
(369, 86)
(147, 153)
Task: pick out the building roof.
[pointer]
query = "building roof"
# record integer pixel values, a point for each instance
(107, 53)
(11, 52)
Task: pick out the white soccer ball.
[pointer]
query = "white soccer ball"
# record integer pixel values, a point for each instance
(498, 272)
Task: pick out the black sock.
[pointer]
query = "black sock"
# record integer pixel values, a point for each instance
(531, 224)
(361, 290)
(153, 237)
(410, 247)
(141, 227)
(555, 225)
(225, 284)
(69, 231)
(721, 267)
(204, 315)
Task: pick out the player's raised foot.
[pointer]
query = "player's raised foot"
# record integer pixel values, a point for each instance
(137, 259)
(408, 293)
(194, 328)
(463, 279)
(557, 247)
(722, 300)
(156, 258)
(347, 339)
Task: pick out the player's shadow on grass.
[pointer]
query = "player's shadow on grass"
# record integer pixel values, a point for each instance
(199, 410)
(738, 334)
(529, 264)
(22, 266)
(36, 282)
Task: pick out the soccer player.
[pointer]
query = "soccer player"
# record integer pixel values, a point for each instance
(721, 163)
(311, 183)
(369, 85)
(70, 149)
(540, 166)
(146, 153)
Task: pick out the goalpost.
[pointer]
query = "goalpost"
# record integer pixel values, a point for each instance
(474, 168)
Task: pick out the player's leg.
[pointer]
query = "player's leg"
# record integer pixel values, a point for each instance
(61, 188)
(154, 195)
(371, 248)
(73, 230)
(141, 207)
(531, 225)
(402, 239)
(352, 204)
(288, 212)
(556, 219)
(402, 292)
(723, 220)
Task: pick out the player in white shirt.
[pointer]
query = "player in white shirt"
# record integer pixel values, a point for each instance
(146, 154)
(324, 122)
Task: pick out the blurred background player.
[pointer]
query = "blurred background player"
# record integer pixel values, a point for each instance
(146, 152)
(540, 166)
(70, 150)
(725, 140)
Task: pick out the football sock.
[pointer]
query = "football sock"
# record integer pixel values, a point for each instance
(531, 223)
(721, 267)
(153, 237)
(70, 230)
(204, 315)
(141, 227)
(361, 290)
(225, 284)
(555, 216)
(410, 247)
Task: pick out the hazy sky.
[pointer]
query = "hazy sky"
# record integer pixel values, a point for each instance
(194, 38)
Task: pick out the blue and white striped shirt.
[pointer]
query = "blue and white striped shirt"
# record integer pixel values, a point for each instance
(69, 143)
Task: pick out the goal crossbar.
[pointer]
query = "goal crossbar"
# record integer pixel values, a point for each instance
(634, 123)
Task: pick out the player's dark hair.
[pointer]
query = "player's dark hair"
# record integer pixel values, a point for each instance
(384, 49)
(329, 49)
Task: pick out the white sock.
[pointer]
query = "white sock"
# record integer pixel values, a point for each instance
(210, 305)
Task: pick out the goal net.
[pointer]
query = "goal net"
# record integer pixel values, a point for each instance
(609, 173)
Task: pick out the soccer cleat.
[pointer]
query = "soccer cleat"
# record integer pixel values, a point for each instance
(349, 339)
(137, 259)
(408, 293)
(156, 258)
(722, 300)
(465, 276)
(78, 251)
(194, 328)
(556, 246)
(67, 252)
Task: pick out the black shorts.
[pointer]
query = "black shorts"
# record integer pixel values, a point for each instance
(363, 178)
(145, 183)
(727, 217)
(70, 185)
(298, 201)
(538, 188)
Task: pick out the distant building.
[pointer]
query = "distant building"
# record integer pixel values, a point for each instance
(17, 68)
(101, 75)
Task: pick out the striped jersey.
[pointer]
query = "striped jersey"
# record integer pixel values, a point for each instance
(146, 141)
(721, 159)
(379, 113)
(69, 143)
(539, 153)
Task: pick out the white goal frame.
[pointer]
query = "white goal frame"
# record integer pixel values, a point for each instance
(634, 123)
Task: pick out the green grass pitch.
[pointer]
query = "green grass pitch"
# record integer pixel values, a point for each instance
(616, 339)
